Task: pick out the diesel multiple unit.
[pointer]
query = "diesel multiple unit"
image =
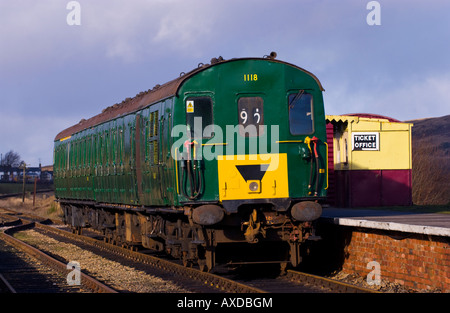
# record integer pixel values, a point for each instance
(224, 164)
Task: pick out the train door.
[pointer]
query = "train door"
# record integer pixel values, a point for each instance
(114, 168)
(145, 197)
(121, 182)
(199, 121)
(151, 176)
(95, 165)
(99, 196)
(130, 151)
(165, 168)
(139, 138)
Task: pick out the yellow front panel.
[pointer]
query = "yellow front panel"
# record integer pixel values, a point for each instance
(253, 176)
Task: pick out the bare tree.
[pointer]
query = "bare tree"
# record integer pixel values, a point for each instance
(11, 159)
(430, 172)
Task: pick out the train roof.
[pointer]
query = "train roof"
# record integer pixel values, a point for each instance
(158, 93)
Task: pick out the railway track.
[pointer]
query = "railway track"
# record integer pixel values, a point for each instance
(192, 280)
(271, 280)
(189, 279)
(20, 273)
(24, 269)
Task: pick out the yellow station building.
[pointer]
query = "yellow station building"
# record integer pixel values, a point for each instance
(370, 160)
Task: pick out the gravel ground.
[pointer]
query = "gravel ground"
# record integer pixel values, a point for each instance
(384, 286)
(26, 266)
(114, 274)
(45, 205)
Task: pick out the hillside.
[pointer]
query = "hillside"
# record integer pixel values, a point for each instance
(436, 130)
(431, 160)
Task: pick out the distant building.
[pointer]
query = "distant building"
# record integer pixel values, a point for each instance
(15, 174)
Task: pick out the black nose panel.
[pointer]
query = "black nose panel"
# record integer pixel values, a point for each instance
(252, 172)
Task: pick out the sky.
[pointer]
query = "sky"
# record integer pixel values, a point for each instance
(54, 72)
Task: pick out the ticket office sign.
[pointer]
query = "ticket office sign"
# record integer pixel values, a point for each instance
(363, 141)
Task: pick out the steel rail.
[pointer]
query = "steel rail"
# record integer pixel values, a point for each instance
(333, 285)
(212, 280)
(86, 280)
(7, 284)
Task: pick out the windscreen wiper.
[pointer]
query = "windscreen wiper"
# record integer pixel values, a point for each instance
(298, 96)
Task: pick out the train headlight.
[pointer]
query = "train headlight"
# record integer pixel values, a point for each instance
(254, 186)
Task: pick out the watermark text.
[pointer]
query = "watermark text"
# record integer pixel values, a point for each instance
(374, 16)
(374, 277)
(74, 277)
(74, 16)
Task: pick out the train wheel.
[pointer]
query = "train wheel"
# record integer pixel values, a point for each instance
(202, 265)
(283, 267)
(77, 230)
(186, 261)
(295, 257)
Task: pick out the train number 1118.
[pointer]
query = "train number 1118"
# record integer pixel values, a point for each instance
(250, 77)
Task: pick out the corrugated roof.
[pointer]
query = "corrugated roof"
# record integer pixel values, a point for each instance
(375, 116)
(340, 118)
(360, 116)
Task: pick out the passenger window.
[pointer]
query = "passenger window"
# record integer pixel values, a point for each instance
(250, 111)
(300, 113)
(198, 110)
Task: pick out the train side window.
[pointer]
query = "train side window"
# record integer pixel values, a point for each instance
(250, 111)
(300, 113)
(198, 109)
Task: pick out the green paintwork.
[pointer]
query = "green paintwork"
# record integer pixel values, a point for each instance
(99, 164)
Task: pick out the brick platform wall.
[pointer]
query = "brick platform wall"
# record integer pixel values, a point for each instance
(418, 262)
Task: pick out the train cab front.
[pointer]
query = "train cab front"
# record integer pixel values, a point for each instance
(253, 169)
(260, 213)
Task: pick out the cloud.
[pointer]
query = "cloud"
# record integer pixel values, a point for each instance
(416, 97)
(29, 31)
(131, 31)
(37, 33)
(184, 27)
(48, 68)
(31, 137)
(422, 97)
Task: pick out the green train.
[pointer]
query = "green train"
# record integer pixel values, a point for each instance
(226, 164)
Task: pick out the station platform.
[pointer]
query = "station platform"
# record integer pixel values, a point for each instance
(421, 223)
